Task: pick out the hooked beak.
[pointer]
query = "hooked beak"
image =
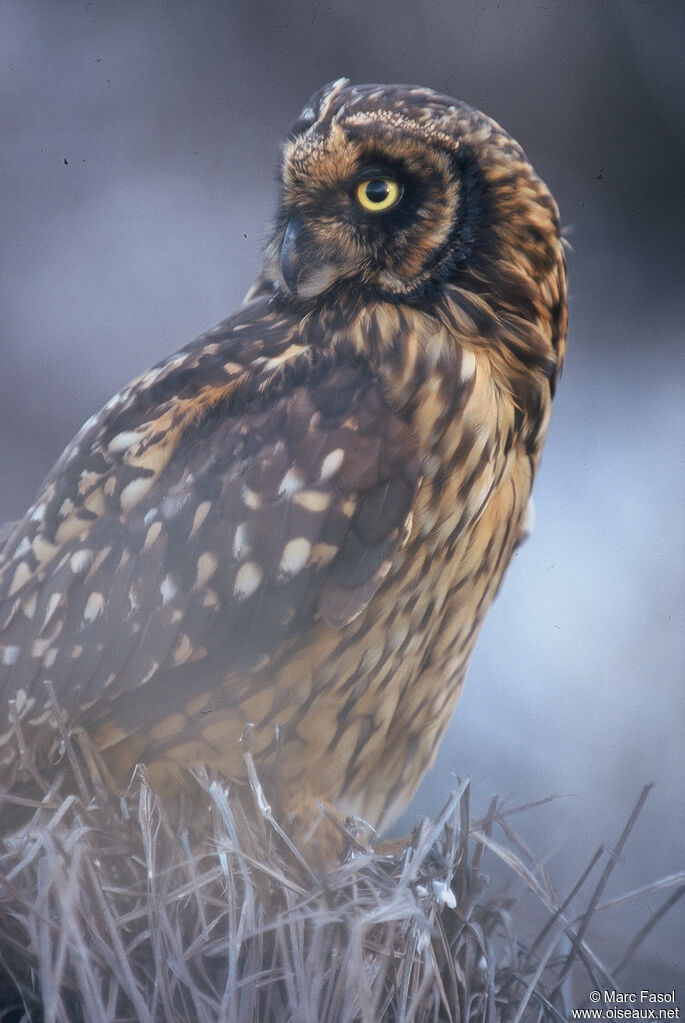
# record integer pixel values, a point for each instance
(304, 275)
(291, 247)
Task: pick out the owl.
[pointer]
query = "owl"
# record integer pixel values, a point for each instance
(294, 526)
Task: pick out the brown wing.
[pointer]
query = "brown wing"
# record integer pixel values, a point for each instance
(215, 508)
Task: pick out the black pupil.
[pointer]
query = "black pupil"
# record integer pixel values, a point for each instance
(377, 191)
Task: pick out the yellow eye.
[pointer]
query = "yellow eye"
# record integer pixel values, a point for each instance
(378, 194)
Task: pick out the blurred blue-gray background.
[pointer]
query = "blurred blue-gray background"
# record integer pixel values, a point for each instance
(139, 153)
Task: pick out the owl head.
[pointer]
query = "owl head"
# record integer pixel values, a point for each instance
(394, 191)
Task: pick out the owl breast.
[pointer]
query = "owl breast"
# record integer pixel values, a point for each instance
(381, 687)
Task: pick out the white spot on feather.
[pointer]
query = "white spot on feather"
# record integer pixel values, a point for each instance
(168, 589)
(248, 579)
(124, 440)
(80, 560)
(291, 483)
(183, 649)
(10, 655)
(241, 547)
(323, 553)
(331, 463)
(43, 550)
(21, 576)
(312, 500)
(152, 534)
(173, 504)
(39, 647)
(201, 513)
(206, 567)
(66, 508)
(135, 491)
(295, 555)
(52, 605)
(251, 498)
(94, 607)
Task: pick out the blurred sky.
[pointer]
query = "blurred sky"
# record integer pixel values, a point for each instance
(140, 147)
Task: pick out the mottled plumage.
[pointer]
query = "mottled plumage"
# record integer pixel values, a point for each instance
(301, 518)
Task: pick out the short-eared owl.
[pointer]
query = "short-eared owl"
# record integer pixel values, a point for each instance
(300, 519)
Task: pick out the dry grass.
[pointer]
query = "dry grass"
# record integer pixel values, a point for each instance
(112, 911)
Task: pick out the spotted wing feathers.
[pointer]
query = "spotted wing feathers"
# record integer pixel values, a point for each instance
(244, 516)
